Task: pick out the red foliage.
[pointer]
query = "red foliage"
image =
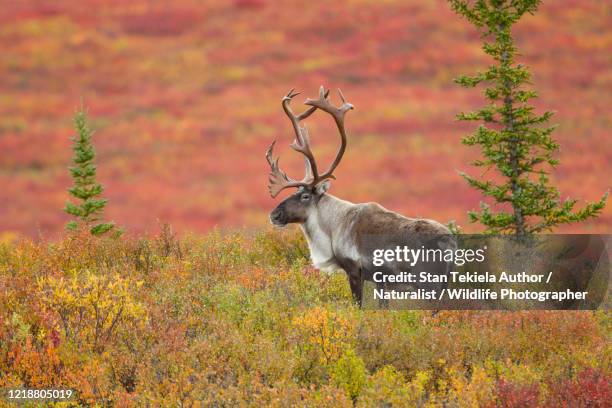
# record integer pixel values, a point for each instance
(510, 395)
(160, 22)
(185, 97)
(591, 389)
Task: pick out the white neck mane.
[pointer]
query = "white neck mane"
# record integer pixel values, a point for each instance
(324, 219)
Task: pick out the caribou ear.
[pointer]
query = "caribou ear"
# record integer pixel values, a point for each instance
(322, 188)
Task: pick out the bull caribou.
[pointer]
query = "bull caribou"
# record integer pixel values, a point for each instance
(339, 233)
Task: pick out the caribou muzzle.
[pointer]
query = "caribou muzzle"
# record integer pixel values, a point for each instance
(278, 217)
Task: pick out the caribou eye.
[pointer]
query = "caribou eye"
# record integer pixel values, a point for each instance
(305, 197)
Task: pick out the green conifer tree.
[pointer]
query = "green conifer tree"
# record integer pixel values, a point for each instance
(514, 139)
(86, 189)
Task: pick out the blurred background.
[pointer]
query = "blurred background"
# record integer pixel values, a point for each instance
(185, 98)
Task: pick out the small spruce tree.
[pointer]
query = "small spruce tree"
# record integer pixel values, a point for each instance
(86, 189)
(514, 139)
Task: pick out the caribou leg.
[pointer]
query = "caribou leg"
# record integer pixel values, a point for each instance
(356, 284)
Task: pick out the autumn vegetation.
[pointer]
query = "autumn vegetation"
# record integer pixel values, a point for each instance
(226, 317)
(177, 91)
(242, 320)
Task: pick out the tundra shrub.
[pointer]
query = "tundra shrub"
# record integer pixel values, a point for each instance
(349, 373)
(91, 308)
(212, 320)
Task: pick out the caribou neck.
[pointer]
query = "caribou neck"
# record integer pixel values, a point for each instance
(328, 216)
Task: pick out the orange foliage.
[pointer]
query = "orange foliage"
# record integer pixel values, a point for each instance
(193, 326)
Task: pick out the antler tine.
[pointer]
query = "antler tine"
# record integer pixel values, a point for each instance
(324, 104)
(338, 115)
(278, 179)
(309, 176)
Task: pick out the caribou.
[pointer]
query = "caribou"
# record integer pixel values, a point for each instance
(340, 234)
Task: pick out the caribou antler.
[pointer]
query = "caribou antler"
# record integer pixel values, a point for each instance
(301, 143)
(279, 179)
(338, 115)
